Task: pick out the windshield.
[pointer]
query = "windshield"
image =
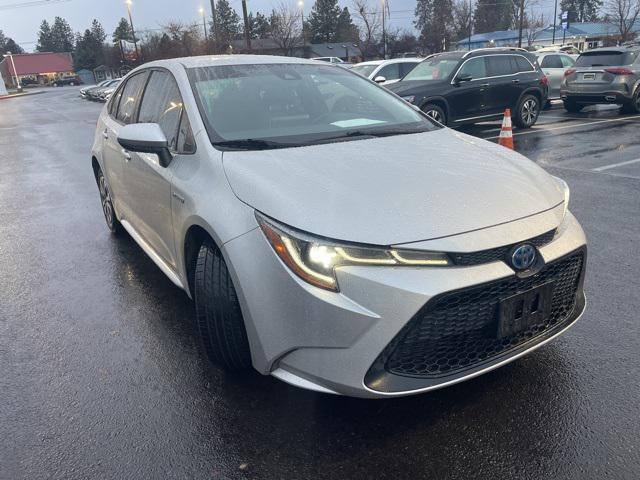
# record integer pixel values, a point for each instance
(364, 70)
(284, 105)
(436, 68)
(604, 59)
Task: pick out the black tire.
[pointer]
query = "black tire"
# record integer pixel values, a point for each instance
(634, 106)
(435, 112)
(107, 204)
(572, 107)
(218, 316)
(547, 105)
(527, 111)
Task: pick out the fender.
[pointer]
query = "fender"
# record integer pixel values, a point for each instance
(440, 99)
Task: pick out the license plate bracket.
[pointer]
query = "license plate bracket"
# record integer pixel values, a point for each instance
(519, 312)
(588, 76)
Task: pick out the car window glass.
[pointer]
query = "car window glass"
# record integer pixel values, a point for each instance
(567, 61)
(406, 67)
(390, 72)
(162, 104)
(113, 106)
(130, 95)
(601, 59)
(523, 64)
(551, 61)
(500, 65)
(474, 67)
(436, 68)
(186, 142)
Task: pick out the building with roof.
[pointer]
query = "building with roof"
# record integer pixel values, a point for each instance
(584, 35)
(37, 68)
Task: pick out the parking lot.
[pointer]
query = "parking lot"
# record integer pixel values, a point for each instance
(102, 377)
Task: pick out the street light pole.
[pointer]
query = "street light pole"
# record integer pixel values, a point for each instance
(214, 23)
(384, 32)
(470, 23)
(247, 33)
(555, 16)
(204, 25)
(133, 30)
(304, 40)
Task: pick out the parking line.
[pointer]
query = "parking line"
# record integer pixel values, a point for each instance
(539, 130)
(614, 165)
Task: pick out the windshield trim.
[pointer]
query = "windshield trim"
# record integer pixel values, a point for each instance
(217, 141)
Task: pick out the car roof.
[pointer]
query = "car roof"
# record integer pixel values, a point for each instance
(391, 60)
(612, 49)
(214, 60)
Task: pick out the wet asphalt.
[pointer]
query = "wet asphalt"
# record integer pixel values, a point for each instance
(101, 376)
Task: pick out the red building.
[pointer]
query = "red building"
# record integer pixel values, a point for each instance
(36, 68)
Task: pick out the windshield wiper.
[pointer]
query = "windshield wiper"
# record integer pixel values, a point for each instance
(369, 133)
(251, 144)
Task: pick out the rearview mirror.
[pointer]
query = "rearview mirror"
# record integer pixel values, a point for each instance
(463, 77)
(146, 138)
(380, 79)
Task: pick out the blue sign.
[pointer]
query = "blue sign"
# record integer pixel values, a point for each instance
(564, 20)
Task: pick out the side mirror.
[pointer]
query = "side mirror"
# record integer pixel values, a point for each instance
(380, 79)
(146, 138)
(463, 77)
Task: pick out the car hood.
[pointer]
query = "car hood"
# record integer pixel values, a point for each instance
(392, 190)
(412, 86)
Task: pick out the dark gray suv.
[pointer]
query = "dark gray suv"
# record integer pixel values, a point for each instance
(604, 76)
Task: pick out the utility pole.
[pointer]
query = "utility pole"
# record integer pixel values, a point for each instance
(555, 19)
(133, 31)
(204, 25)
(214, 23)
(384, 32)
(470, 23)
(521, 24)
(247, 35)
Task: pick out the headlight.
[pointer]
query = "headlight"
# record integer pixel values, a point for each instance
(314, 260)
(564, 188)
(409, 98)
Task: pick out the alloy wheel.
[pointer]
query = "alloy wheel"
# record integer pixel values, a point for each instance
(529, 111)
(105, 199)
(435, 115)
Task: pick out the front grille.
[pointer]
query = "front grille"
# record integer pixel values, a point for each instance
(458, 330)
(499, 253)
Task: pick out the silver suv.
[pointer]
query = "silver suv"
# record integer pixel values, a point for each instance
(604, 76)
(330, 234)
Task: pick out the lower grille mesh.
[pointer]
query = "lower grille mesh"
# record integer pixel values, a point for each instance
(458, 330)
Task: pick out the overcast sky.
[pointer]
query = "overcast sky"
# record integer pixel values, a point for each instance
(22, 24)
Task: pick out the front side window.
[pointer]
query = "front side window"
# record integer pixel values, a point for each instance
(129, 98)
(439, 67)
(162, 104)
(364, 70)
(390, 72)
(296, 104)
(475, 68)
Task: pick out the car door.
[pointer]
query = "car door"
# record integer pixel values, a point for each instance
(505, 88)
(552, 67)
(121, 109)
(148, 184)
(468, 99)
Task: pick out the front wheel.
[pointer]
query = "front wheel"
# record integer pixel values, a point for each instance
(571, 106)
(435, 112)
(107, 205)
(219, 319)
(527, 112)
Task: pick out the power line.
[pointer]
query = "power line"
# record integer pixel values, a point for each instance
(32, 3)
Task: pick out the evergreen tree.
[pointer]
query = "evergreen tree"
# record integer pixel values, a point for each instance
(122, 32)
(491, 16)
(228, 23)
(434, 21)
(8, 45)
(62, 37)
(581, 10)
(346, 29)
(45, 40)
(89, 52)
(258, 25)
(322, 24)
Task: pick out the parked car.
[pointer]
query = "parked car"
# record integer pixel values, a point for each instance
(604, 76)
(457, 88)
(336, 266)
(554, 65)
(386, 72)
(104, 94)
(329, 59)
(70, 80)
(94, 93)
(568, 49)
(83, 91)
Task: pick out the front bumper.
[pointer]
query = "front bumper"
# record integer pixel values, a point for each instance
(332, 342)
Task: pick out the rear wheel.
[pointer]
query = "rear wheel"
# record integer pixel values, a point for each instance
(219, 319)
(634, 106)
(572, 107)
(435, 112)
(527, 111)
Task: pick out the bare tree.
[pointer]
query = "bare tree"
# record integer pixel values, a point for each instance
(534, 22)
(286, 27)
(369, 26)
(623, 13)
(462, 18)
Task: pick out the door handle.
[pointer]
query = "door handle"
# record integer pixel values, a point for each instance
(180, 198)
(105, 134)
(515, 81)
(126, 155)
(484, 86)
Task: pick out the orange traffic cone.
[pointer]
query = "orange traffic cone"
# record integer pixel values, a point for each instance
(506, 136)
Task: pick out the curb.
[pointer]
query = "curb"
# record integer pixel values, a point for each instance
(18, 95)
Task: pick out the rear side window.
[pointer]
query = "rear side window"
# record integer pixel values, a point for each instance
(523, 64)
(129, 98)
(162, 104)
(500, 65)
(406, 67)
(603, 59)
(474, 67)
(551, 61)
